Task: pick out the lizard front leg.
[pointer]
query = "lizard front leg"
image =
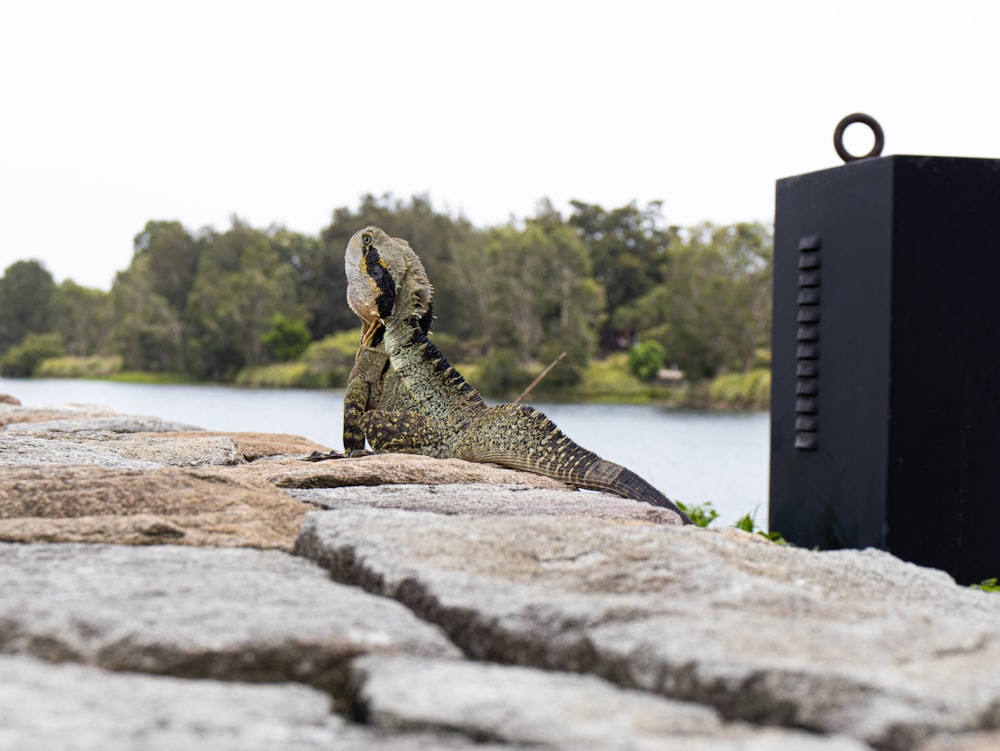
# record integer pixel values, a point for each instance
(355, 402)
(363, 393)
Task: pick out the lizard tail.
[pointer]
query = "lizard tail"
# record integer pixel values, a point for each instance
(521, 437)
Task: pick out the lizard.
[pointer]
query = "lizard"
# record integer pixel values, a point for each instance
(423, 404)
(372, 384)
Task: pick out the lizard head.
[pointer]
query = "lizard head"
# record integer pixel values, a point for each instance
(385, 279)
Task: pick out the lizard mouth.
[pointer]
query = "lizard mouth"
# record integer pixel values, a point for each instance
(369, 331)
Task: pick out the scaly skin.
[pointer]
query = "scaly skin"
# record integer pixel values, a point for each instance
(432, 410)
(372, 385)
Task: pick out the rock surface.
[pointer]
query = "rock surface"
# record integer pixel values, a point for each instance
(246, 615)
(144, 506)
(77, 708)
(487, 499)
(111, 423)
(765, 634)
(379, 470)
(517, 705)
(453, 606)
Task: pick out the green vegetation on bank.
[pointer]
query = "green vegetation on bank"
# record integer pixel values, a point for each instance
(644, 311)
(987, 585)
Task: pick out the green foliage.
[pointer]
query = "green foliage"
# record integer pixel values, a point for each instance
(171, 255)
(279, 375)
(750, 390)
(330, 359)
(72, 366)
(645, 360)
(240, 287)
(26, 290)
(508, 299)
(21, 360)
(287, 339)
(703, 514)
(627, 247)
(748, 523)
(84, 317)
(611, 379)
(987, 585)
(712, 312)
(144, 376)
(503, 375)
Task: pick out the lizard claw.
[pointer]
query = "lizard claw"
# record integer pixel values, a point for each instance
(317, 456)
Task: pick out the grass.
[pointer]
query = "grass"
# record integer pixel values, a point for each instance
(78, 367)
(142, 376)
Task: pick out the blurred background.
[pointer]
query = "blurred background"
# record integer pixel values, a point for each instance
(178, 179)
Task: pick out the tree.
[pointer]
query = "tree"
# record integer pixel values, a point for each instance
(319, 281)
(628, 248)
(541, 297)
(241, 286)
(26, 290)
(148, 332)
(712, 311)
(84, 317)
(171, 259)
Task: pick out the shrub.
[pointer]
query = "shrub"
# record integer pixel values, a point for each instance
(78, 367)
(331, 358)
(750, 390)
(503, 375)
(287, 339)
(702, 514)
(279, 375)
(22, 359)
(645, 360)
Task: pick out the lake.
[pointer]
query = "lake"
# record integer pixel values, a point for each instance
(691, 456)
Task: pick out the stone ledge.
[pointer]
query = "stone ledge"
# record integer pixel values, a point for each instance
(611, 615)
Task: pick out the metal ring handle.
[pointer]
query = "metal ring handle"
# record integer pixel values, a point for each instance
(858, 117)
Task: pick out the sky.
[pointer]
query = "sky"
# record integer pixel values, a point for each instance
(117, 112)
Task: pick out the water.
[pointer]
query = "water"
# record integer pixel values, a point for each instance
(691, 456)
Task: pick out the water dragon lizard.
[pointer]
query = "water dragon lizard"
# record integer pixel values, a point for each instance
(404, 396)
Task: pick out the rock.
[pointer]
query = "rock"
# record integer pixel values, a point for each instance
(519, 706)
(29, 449)
(15, 414)
(389, 469)
(120, 450)
(111, 423)
(143, 506)
(483, 499)
(46, 706)
(853, 642)
(8, 399)
(989, 741)
(239, 615)
(77, 708)
(24, 445)
(254, 446)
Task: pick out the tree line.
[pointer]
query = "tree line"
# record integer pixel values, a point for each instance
(211, 304)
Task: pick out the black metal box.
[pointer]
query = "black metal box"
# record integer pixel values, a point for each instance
(885, 400)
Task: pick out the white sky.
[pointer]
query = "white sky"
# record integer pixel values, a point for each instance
(114, 112)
